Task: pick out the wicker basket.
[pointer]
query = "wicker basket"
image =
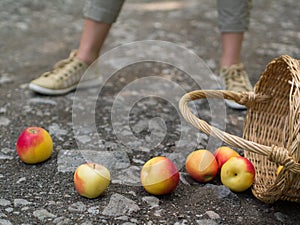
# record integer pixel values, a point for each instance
(271, 135)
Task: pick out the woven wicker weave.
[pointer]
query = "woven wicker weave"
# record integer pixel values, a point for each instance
(271, 135)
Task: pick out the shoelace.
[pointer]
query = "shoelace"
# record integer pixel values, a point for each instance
(65, 63)
(236, 78)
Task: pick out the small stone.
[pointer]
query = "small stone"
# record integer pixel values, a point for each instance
(94, 210)
(69, 160)
(129, 175)
(183, 222)
(3, 110)
(222, 191)
(138, 161)
(21, 202)
(5, 222)
(22, 179)
(51, 202)
(62, 221)
(8, 151)
(120, 205)
(182, 177)
(56, 131)
(239, 219)
(152, 201)
(43, 214)
(42, 101)
(124, 218)
(4, 202)
(206, 222)
(158, 213)
(213, 215)
(4, 121)
(9, 209)
(5, 78)
(25, 208)
(132, 193)
(84, 139)
(281, 217)
(77, 207)
(88, 223)
(134, 220)
(3, 156)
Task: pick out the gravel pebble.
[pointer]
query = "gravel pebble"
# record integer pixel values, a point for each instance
(5, 222)
(4, 202)
(77, 207)
(43, 214)
(152, 201)
(120, 205)
(21, 202)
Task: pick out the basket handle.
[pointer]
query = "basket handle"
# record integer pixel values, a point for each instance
(276, 154)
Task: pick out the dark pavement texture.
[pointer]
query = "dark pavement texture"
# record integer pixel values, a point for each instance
(35, 34)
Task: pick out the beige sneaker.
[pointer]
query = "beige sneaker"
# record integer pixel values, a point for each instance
(235, 79)
(64, 77)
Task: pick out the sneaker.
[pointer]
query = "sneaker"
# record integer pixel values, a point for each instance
(63, 78)
(236, 79)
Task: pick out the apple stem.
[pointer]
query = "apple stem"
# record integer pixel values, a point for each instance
(33, 131)
(94, 166)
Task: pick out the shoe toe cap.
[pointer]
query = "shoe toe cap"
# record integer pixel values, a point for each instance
(44, 82)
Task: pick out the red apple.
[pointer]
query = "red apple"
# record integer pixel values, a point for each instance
(238, 174)
(34, 145)
(224, 153)
(91, 179)
(159, 176)
(201, 165)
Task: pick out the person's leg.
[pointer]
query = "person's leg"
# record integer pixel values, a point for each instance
(233, 22)
(92, 38)
(66, 74)
(99, 16)
(231, 48)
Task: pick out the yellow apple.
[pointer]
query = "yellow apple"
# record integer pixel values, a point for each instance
(279, 169)
(238, 174)
(34, 145)
(91, 179)
(224, 153)
(159, 176)
(202, 165)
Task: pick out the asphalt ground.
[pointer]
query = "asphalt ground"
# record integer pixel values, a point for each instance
(134, 116)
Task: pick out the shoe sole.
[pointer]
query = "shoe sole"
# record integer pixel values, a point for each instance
(47, 91)
(234, 105)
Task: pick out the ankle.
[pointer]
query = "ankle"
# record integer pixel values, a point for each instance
(229, 64)
(88, 58)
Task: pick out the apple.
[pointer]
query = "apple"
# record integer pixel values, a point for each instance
(91, 179)
(224, 153)
(34, 145)
(238, 174)
(159, 176)
(201, 165)
(279, 169)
